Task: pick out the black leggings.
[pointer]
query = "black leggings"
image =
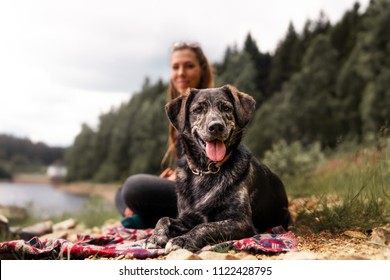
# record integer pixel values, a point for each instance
(148, 196)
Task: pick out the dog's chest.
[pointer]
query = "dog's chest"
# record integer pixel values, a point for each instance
(201, 193)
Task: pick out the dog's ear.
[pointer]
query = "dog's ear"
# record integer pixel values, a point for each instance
(173, 110)
(244, 104)
(176, 109)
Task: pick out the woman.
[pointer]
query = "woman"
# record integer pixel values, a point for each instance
(143, 199)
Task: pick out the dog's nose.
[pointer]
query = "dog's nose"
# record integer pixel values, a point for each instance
(216, 127)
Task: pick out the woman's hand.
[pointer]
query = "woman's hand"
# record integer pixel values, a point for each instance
(168, 174)
(128, 212)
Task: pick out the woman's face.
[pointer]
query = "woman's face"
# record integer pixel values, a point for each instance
(185, 70)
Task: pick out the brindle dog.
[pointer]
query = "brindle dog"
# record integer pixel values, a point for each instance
(223, 192)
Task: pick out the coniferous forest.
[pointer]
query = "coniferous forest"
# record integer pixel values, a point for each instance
(326, 84)
(21, 155)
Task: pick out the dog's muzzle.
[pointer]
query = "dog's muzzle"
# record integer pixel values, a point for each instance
(216, 128)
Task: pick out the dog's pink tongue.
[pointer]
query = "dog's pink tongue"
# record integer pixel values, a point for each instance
(215, 150)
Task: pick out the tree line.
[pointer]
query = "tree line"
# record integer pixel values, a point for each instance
(22, 155)
(325, 84)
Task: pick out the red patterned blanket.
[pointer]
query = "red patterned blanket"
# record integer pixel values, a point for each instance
(117, 241)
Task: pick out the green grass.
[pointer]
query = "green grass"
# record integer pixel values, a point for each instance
(94, 213)
(353, 192)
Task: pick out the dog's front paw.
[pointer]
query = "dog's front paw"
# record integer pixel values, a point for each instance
(156, 241)
(180, 243)
(159, 238)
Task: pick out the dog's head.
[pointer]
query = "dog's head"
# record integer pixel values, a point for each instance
(213, 119)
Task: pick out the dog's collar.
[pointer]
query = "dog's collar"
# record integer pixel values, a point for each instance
(212, 168)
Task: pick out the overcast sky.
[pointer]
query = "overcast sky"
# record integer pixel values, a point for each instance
(64, 63)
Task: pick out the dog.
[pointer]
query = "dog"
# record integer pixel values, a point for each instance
(223, 192)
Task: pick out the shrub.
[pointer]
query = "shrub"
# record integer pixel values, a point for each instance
(4, 174)
(289, 160)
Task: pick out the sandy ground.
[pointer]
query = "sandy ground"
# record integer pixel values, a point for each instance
(106, 191)
(31, 179)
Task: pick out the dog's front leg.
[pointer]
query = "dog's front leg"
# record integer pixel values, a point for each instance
(211, 233)
(166, 228)
(160, 235)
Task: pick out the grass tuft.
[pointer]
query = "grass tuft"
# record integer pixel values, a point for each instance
(352, 191)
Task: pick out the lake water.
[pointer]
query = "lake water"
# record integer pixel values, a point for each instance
(46, 199)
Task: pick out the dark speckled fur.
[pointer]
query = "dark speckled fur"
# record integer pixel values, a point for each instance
(242, 199)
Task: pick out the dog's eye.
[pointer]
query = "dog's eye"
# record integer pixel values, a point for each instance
(197, 110)
(227, 108)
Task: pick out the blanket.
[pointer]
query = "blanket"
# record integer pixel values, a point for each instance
(118, 241)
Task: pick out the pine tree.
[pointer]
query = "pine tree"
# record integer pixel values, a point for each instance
(241, 72)
(344, 33)
(362, 82)
(374, 67)
(284, 61)
(80, 157)
(305, 108)
(262, 63)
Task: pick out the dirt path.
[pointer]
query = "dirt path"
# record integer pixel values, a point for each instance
(342, 246)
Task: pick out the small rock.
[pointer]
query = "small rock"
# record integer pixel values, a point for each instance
(355, 234)
(381, 235)
(4, 228)
(36, 230)
(349, 257)
(72, 237)
(182, 254)
(112, 222)
(386, 255)
(300, 256)
(3, 219)
(56, 235)
(13, 212)
(95, 230)
(245, 256)
(67, 224)
(209, 255)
